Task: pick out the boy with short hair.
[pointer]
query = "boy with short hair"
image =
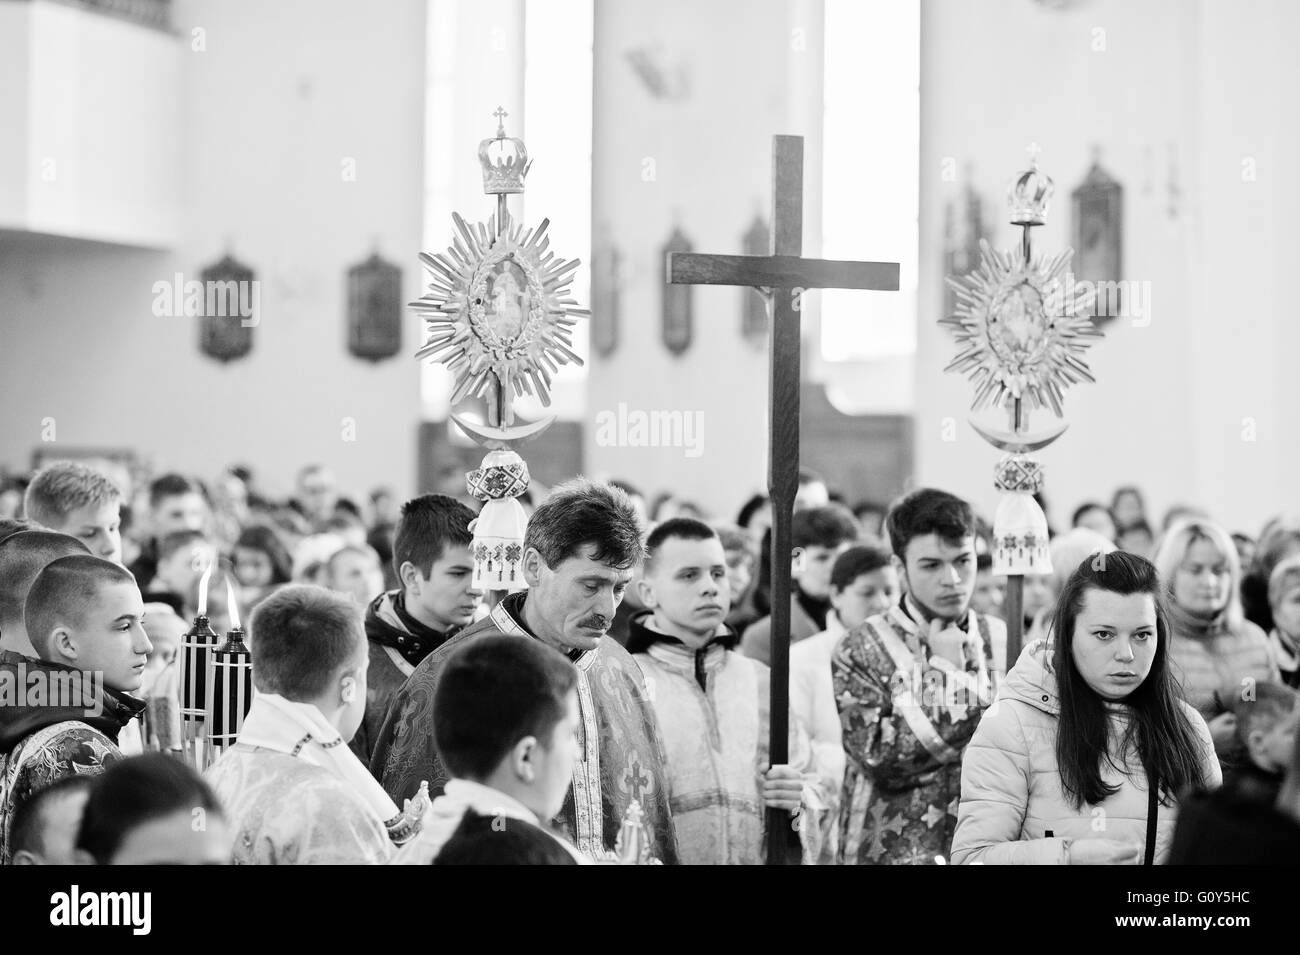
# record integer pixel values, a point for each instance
(72, 498)
(1266, 729)
(863, 583)
(818, 535)
(181, 559)
(711, 702)
(505, 722)
(176, 503)
(294, 793)
(84, 617)
(45, 826)
(22, 557)
(354, 572)
(434, 600)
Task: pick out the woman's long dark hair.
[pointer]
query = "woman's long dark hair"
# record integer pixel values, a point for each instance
(1158, 727)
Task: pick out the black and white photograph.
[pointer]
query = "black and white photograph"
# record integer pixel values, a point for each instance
(652, 432)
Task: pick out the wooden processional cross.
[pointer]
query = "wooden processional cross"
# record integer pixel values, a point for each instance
(782, 277)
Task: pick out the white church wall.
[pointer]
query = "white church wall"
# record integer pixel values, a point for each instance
(1177, 96)
(265, 173)
(89, 107)
(701, 160)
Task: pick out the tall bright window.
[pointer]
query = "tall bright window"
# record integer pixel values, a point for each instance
(554, 120)
(558, 64)
(871, 187)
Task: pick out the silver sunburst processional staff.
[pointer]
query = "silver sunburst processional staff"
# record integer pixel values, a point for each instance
(1022, 326)
(500, 317)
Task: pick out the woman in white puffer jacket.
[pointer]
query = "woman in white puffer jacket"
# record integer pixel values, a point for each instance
(1058, 771)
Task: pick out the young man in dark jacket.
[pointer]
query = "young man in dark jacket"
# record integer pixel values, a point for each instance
(435, 600)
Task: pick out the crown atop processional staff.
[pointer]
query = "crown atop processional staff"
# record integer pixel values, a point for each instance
(504, 160)
(1029, 195)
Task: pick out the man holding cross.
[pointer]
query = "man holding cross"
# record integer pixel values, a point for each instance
(783, 276)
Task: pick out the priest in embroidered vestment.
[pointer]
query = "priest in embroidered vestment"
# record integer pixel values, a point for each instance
(911, 685)
(581, 547)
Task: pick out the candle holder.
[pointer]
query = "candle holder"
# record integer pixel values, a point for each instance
(196, 646)
(229, 690)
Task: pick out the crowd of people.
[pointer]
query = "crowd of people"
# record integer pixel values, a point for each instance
(403, 716)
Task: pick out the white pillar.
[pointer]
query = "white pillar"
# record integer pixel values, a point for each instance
(687, 99)
(476, 64)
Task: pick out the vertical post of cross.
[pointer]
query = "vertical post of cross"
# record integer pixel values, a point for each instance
(783, 450)
(783, 277)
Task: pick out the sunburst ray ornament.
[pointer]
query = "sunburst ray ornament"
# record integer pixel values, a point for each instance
(500, 316)
(498, 311)
(1021, 322)
(1022, 326)
(498, 306)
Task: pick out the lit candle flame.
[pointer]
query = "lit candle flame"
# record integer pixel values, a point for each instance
(231, 606)
(203, 590)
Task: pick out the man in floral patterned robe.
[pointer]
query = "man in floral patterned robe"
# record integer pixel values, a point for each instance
(910, 686)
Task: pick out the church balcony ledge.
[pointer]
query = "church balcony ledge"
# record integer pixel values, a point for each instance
(91, 122)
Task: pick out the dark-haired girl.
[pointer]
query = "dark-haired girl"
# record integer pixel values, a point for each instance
(261, 562)
(1089, 744)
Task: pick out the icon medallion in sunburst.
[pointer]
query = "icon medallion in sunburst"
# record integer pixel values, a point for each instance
(498, 308)
(1022, 327)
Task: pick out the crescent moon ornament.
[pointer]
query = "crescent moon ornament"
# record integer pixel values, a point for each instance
(501, 439)
(1014, 443)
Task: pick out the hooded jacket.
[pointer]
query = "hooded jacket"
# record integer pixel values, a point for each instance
(35, 694)
(396, 649)
(1013, 810)
(55, 721)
